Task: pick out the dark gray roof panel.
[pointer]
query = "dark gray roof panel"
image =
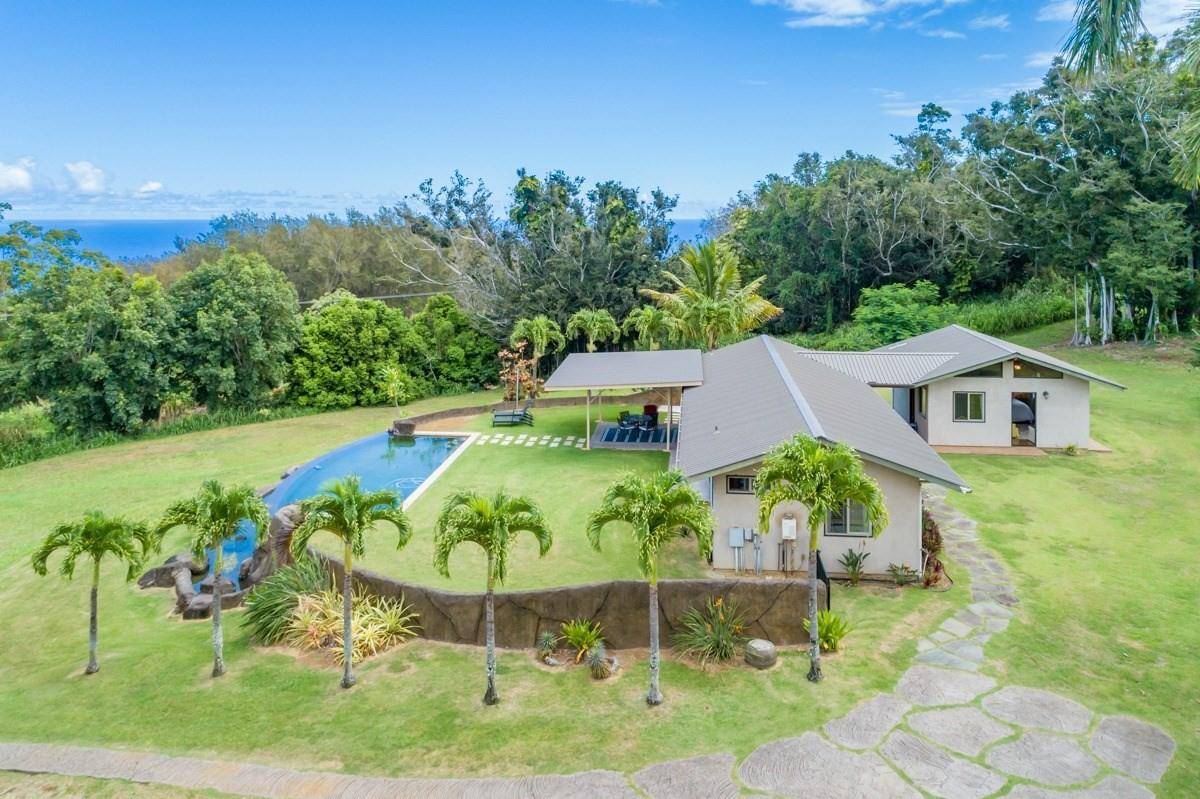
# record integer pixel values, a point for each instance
(649, 369)
(883, 368)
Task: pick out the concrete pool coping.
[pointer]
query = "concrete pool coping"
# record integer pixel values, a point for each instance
(468, 440)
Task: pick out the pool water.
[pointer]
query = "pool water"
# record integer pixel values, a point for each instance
(379, 460)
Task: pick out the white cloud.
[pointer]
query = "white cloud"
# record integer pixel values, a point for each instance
(150, 187)
(1161, 17)
(87, 177)
(852, 13)
(998, 21)
(17, 177)
(826, 21)
(992, 56)
(1042, 59)
(941, 33)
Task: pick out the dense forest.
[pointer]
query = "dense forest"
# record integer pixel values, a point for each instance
(1064, 200)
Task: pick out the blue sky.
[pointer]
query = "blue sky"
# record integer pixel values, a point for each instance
(182, 110)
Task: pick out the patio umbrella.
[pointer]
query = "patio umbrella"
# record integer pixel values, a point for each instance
(1021, 412)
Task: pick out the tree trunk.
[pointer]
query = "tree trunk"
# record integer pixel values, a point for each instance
(93, 665)
(348, 679)
(218, 637)
(490, 697)
(814, 630)
(654, 696)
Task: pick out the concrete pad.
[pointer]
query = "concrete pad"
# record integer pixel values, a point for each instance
(926, 685)
(809, 766)
(711, 775)
(1139, 749)
(966, 730)
(1045, 758)
(867, 724)
(1035, 708)
(938, 772)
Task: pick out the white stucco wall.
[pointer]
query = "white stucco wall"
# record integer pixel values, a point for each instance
(1063, 418)
(899, 543)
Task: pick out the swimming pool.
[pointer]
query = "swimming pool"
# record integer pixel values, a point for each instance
(379, 460)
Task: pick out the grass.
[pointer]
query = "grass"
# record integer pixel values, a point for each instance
(1105, 549)
(417, 709)
(53, 786)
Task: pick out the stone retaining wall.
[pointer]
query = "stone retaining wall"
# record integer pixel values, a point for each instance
(773, 609)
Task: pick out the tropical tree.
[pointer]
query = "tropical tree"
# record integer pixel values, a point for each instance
(659, 508)
(594, 325)
(213, 516)
(97, 536)
(823, 478)
(492, 523)
(709, 302)
(543, 334)
(346, 511)
(650, 324)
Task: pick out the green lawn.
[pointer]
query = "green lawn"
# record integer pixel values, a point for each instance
(1106, 551)
(417, 709)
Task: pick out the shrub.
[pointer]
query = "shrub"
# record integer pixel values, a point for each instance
(598, 663)
(931, 547)
(270, 606)
(377, 623)
(547, 642)
(25, 424)
(831, 629)
(895, 312)
(461, 357)
(1032, 305)
(712, 633)
(902, 573)
(852, 561)
(582, 635)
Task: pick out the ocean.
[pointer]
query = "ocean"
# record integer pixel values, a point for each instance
(136, 239)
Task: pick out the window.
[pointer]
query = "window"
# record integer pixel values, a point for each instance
(968, 406)
(992, 370)
(739, 484)
(1027, 369)
(850, 520)
(922, 400)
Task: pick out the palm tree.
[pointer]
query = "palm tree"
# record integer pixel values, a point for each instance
(823, 478)
(95, 537)
(346, 511)
(650, 324)
(593, 324)
(659, 508)
(1103, 38)
(492, 523)
(709, 302)
(213, 515)
(543, 334)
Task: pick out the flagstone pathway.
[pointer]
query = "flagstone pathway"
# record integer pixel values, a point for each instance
(944, 731)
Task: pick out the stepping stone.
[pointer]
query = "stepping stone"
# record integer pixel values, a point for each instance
(505, 443)
(530, 443)
(1139, 749)
(966, 649)
(924, 645)
(956, 628)
(809, 766)
(867, 724)
(1033, 707)
(553, 443)
(990, 609)
(1111, 787)
(995, 625)
(968, 618)
(940, 657)
(579, 445)
(710, 775)
(1045, 758)
(925, 685)
(966, 730)
(558, 438)
(937, 772)
(940, 636)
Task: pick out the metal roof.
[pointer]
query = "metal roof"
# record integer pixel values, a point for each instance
(973, 350)
(648, 369)
(882, 368)
(762, 391)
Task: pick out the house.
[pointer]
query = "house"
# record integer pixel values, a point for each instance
(763, 391)
(960, 388)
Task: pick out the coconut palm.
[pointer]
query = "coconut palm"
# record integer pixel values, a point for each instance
(650, 324)
(709, 302)
(97, 536)
(594, 324)
(543, 334)
(492, 523)
(213, 516)
(347, 512)
(821, 477)
(659, 508)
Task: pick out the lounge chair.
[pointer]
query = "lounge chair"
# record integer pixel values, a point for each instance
(508, 418)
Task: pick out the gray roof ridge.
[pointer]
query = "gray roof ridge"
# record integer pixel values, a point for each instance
(871, 352)
(986, 339)
(806, 411)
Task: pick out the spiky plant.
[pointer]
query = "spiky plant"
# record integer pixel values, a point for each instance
(658, 508)
(213, 516)
(270, 605)
(822, 477)
(343, 509)
(97, 536)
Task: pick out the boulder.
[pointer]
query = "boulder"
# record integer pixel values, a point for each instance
(184, 590)
(761, 654)
(199, 607)
(206, 585)
(403, 428)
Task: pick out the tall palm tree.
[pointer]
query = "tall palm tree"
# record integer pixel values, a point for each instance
(709, 302)
(543, 334)
(492, 523)
(650, 324)
(823, 478)
(344, 510)
(97, 536)
(213, 516)
(594, 324)
(659, 508)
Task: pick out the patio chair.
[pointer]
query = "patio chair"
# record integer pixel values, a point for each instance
(649, 422)
(626, 421)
